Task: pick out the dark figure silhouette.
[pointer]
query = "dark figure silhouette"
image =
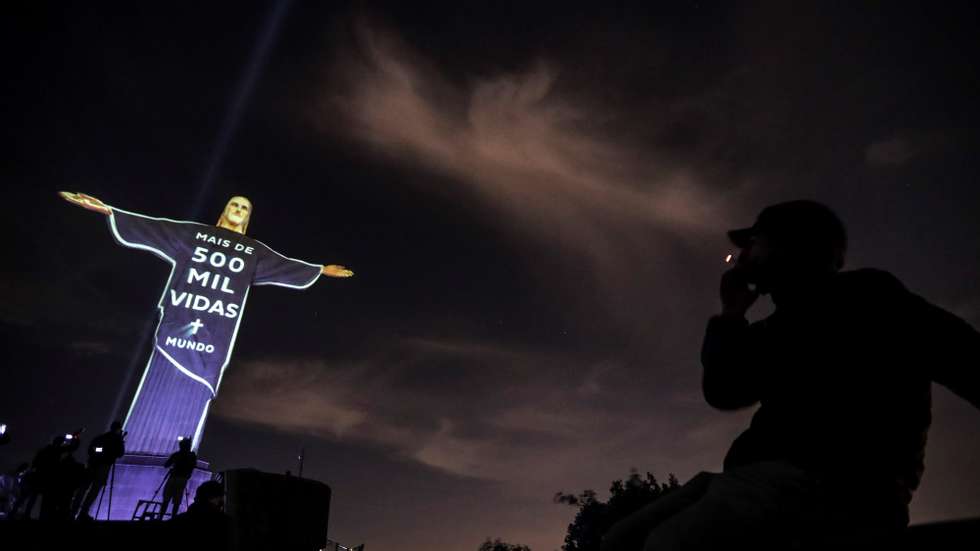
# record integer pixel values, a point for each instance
(181, 463)
(205, 525)
(59, 474)
(31, 483)
(37, 481)
(10, 488)
(842, 370)
(103, 452)
(68, 476)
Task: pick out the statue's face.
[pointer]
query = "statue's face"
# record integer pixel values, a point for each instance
(237, 212)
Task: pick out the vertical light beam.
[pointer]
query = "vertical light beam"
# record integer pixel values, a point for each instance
(243, 92)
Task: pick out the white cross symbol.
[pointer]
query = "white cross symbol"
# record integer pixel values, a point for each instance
(196, 325)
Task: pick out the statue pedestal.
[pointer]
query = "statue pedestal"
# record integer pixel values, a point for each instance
(139, 477)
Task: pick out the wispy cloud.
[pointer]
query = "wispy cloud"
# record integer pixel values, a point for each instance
(556, 168)
(514, 416)
(551, 162)
(517, 139)
(903, 148)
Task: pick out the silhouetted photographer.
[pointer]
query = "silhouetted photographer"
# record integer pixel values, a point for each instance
(181, 463)
(11, 486)
(205, 525)
(37, 479)
(53, 474)
(68, 475)
(103, 452)
(842, 371)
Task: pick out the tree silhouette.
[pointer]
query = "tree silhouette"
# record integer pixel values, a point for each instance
(595, 517)
(498, 545)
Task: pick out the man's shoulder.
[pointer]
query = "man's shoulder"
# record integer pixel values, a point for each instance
(869, 280)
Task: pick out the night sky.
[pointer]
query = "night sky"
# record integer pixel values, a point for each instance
(533, 199)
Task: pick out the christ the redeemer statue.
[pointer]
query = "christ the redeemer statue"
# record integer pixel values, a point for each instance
(212, 270)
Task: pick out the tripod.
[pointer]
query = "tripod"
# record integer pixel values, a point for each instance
(157, 491)
(162, 482)
(112, 482)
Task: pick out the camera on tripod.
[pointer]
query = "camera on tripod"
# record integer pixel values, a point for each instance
(71, 439)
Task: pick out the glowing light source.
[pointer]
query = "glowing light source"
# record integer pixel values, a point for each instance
(729, 258)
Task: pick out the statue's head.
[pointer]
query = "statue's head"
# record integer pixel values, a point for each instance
(236, 215)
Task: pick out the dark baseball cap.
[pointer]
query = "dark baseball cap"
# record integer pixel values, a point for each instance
(801, 222)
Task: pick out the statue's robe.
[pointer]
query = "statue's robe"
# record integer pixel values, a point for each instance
(212, 270)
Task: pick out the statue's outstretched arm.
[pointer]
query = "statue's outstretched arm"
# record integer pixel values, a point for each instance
(336, 270)
(86, 201)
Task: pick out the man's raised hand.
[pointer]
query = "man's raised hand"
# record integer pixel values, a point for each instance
(736, 296)
(336, 270)
(86, 201)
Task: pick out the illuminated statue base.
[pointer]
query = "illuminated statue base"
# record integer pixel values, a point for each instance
(139, 477)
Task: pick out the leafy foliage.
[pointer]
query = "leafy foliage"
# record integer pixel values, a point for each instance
(595, 517)
(497, 545)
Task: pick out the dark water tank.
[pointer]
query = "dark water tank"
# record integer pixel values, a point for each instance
(274, 511)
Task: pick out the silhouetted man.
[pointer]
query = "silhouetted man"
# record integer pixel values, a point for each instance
(36, 481)
(842, 372)
(68, 476)
(103, 452)
(10, 489)
(205, 525)
(42, 475)
(181, 463)
(60, 474)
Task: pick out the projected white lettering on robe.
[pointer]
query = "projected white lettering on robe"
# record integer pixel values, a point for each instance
(212, 271)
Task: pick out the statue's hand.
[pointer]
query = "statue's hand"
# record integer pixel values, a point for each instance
(336, 270)
(86, 201)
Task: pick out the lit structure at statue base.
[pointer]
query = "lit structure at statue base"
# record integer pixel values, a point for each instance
(137, 477)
